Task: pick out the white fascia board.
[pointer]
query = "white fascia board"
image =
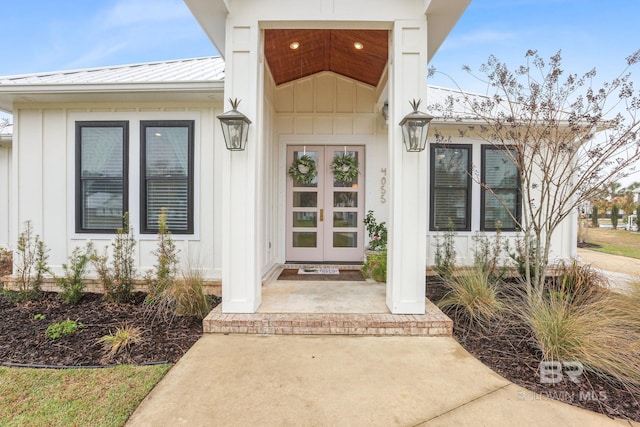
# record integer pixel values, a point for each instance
(115, 87)
(442, 16)
(212, 17)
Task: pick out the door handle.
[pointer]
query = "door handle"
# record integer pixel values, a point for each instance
(321, 215)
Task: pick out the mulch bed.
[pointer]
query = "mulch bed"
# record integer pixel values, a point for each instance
(509, 352)
(23, 339)
(345, 275)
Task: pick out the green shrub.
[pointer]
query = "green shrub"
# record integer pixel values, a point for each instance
(614, 216)
(594, 216)
(377, 233)
(60, 329)
(72, 283)
(166, 268)
(376, 266)
(445, 254)
(31, 262)
(117, 277)
(473, 297)
(487, 254)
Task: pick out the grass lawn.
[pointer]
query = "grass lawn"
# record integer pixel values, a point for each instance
(615, 242)
(74, 397)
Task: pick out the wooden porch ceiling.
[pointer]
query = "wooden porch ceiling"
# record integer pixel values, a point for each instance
(327, 50)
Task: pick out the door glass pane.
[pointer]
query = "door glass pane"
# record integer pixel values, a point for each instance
(314, 156)
(345, 219)
(305, 199)
(345, 199)
(345, 240)
(352, 183)
(305, 219)
(305, 240)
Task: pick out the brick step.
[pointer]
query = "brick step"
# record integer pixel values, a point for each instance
(433, 323)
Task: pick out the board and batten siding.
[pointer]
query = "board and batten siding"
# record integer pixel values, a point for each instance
(5, 195)
(45, 175)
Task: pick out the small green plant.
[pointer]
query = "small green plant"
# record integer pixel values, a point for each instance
(377, 233)
(638, 218)
(72, 283)
(166, 267)
(122, 339)
(445, 255)
(615, 210)
(58, 330)
(39, 316)
(488, 254)
(31, 262)
(473, 296)
(376, 266)
(117, 277)
(521, 257)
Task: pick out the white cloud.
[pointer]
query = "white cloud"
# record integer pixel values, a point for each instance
(480, 37)
(134, 12)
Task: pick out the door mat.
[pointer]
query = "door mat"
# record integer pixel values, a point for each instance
(342, 275)
(318, 270)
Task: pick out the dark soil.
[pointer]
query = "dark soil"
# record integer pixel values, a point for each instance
(23, 339)
(508, 350)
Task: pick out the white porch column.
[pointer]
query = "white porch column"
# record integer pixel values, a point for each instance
(408, 173)
(241, 278)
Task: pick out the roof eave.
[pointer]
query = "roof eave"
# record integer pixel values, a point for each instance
(9, 95)
(442, 17)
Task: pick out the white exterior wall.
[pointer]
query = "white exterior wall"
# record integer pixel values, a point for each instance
(44, 156)
(563, 244)
(5, 194)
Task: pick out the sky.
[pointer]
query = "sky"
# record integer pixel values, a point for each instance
(45, 35)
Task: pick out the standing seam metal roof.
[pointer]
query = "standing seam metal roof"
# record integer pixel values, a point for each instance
(184, 70)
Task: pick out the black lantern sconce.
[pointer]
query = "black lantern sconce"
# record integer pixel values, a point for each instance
(415, 127)
(235, 127)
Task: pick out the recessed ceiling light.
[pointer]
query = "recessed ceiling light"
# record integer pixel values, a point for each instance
(358, 45)
(294, 45)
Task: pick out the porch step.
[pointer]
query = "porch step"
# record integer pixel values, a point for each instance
(434, 323)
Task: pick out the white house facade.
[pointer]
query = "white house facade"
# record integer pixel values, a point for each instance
(90, 145)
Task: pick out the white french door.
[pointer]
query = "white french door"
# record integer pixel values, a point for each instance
(324, 217)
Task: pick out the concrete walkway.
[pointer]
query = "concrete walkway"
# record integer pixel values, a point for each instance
(619, 270)
(245, 380)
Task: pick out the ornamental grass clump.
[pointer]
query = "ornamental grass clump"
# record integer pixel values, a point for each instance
(122, 339)
(598, 328)
(472, 296)
(185, 296)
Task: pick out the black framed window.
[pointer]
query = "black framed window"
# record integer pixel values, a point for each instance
(450, 187)
(501, 201)
(101, 175)
(166, 173)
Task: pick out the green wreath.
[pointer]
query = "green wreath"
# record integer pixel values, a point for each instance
(303, 169)
(344, 167)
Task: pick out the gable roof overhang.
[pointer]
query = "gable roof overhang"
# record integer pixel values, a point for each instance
(124, 92)
(195, 79)
(442, 15)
